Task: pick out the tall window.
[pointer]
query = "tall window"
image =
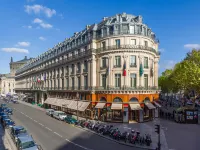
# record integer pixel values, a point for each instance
(104, 45)
(104, 62)
(78, 67)
(133, 41)
(85, 65)
(67, 70)
(145, 62)
(133, 80)
(145, 43)
(132, 61)
(72, 69)
(132, 29)
(117, 80)
(117, 43)
(58, 83)
(63, 83)
(67, 82)
(79, 82)
(85, 81)
(146, 80)
(72, 82)
(103, 80)
(117, 61)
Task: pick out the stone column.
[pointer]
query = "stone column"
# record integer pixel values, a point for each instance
(156, 72)
(42, 98)
(75, 78)
(93, 72)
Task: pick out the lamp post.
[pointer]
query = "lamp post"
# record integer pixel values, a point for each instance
(77, 95)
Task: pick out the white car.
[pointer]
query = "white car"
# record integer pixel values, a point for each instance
(50, 112)
(59, 115)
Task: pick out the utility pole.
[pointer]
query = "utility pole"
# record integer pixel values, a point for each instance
(157, 130)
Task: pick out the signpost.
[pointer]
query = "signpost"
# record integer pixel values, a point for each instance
(157, 130)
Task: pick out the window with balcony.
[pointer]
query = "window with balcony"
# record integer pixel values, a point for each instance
(104, 45)
(117, 61)
(146, 80)
(104, 62)
(117, 80)
(117, 43)
(85, 82)
(133, 80)
(103, 77)
(67, 70)
(145, 43)
(133, 61)
(146, 62)
(133, 41)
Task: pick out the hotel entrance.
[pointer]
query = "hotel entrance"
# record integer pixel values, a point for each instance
(134, 110)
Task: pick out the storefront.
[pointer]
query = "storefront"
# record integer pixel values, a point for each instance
(149, 110)
(134, 110)
(157, 109)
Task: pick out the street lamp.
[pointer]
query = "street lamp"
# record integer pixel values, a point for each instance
(77, 95)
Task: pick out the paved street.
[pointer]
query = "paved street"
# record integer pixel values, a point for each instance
(55, 135)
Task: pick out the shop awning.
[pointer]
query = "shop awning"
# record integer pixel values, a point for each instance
(157, 104)
(135, 106)
(100, 105)
(73, 105)
(116, 106)
(84, 106)
(150, 105)
(47, 101)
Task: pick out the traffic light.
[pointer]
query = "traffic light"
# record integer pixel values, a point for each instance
(157, 127)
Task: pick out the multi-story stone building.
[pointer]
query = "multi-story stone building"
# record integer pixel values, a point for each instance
(113, 65)
(7, 81)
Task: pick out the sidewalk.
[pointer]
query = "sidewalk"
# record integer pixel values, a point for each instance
(144, 128)
(2, 147)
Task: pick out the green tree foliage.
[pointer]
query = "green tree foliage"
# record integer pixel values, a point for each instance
(185, 76)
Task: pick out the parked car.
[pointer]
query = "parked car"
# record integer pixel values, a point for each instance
(71, 120)
(26, 143)
(59, 115)
(3, 105)
(8, 123)
(50, 112)
(17, 131)
(3, 117)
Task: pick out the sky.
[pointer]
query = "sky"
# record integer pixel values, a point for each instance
(30, 27)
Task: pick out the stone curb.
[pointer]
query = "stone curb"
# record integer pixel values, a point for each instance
(119, 142)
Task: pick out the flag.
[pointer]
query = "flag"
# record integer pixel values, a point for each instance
(124, 69)
(141, 70)
(38, 80)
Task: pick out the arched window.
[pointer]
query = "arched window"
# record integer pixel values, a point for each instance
(133, 100)
(103, 99)
(146, 100)
(117, 99)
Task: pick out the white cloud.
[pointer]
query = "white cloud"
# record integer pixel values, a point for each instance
(37, 9)
(17, 50)
(24, 44)
(42, 24)
(37, 20)
(46, 25)
(42, 38)
(192, 46)
(167, 64)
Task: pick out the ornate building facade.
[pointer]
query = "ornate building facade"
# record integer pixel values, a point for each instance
(112, 66)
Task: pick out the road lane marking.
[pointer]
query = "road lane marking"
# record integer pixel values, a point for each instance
(26, 115)
(34, 120)
(48, 128)
(22, 113)
(30, 118)
(41, 124)
(78, 145)
(57, 134)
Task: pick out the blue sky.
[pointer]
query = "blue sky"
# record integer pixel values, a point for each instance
(33, 26)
